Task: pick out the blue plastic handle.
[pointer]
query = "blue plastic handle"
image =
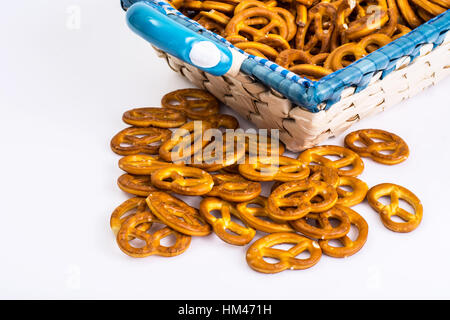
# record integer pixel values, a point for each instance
(152, 23)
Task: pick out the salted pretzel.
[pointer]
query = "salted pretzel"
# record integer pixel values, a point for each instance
(323, 229)
(197, 104)
(139, 140)
(127, 209)
(233, 187)
(346, 158)
(262, 248)
(226, 229)
(183, 180)
(294, 199)
(156, 117)
(353, 197)
(372, 149)
(265, 169)
(141, 164)
(396, 192)
(139, 185)
(177, 214)
(252, 216)
(131, 229)
(349, 247)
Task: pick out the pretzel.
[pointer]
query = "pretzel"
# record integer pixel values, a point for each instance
(349, 247)
(216, 16)
(351, 198)
(256, 145)
(262, 248)
(366, 25)
(139, 140)
(396, 192)
(177, 214)
(347, 158)
(208, 5)
(130, 229)
(372, 149)
(393, 13)
(311, 72)
(127, 209)
(252, 216)
(156, 117)
(408, 13)
(225, 121)
(210, 24)
(141, 164)
(264, 169)
(176, 3)
(296, 197)
(184, 180)
(196, 103)
(232, 187)
(324, 229)
(258, 49)
(135, 184)
(430, 7)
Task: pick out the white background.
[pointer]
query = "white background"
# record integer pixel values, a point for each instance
(63, 89)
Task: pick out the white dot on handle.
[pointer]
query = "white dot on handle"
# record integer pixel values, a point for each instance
(204, 54)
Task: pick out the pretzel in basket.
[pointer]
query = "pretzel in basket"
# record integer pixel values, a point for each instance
(226, 229)
(346, 158)
(139, 140)
(324, 229)
(127, 209)
(156, 117)
(141, 164)
(183, 180)
(373, 149)
(177, 214)
(396, 192)
(233, 187)
(197, 104)
(262, 248)
(349, 247)
(130, 229)
(351, 198)
(301, 63)
(221, 6)
(264, 169)
(253, 215)
(294, 199)
(139, 185)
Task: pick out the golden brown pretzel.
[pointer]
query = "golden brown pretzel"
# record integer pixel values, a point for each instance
(349, 247)
(251, 215)
(346, 158)
(196, 103)
(400, 31)
(293, 200)
(226, 229)
(210, 24)
(183, 180)
(351, 198)
(258, 49)
(430, 7)
(127, 209)
(225, 121)
(262, 248)
(130, 229)
(208, 5)
(373, 149)
(177, 214)
(396, 192)
(141, 164)
(324, 229)
(233, 187)
(366, 25)
(176, 3)
(139, 185)
(139, 140)
(156, 117)
(310, 71)
(408, 13)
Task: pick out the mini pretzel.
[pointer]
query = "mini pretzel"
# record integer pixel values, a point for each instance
(400, 31)
(127, 209)
(294, 200)
(130, 229)
(323, 229)
(225, 121)
(135, 184)
(396, 192)
(226, 229)
(252, 216)
(351, 198)
(408, 13)
(184, 180)
(347, 158)
(177, 214)
(262, 248)
(232, 187)
(366, 25)
(258, 49)
(141, 164)
(139, 140)
(196, 103)
(156, 117)
(372, 149)
(208, 5)
(432, 8)
(349, 247)
(264, 169)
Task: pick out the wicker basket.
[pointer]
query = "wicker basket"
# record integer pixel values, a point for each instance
(306, 112)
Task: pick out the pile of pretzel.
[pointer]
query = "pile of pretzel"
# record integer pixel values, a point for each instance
(312, 38)
(308, 207)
